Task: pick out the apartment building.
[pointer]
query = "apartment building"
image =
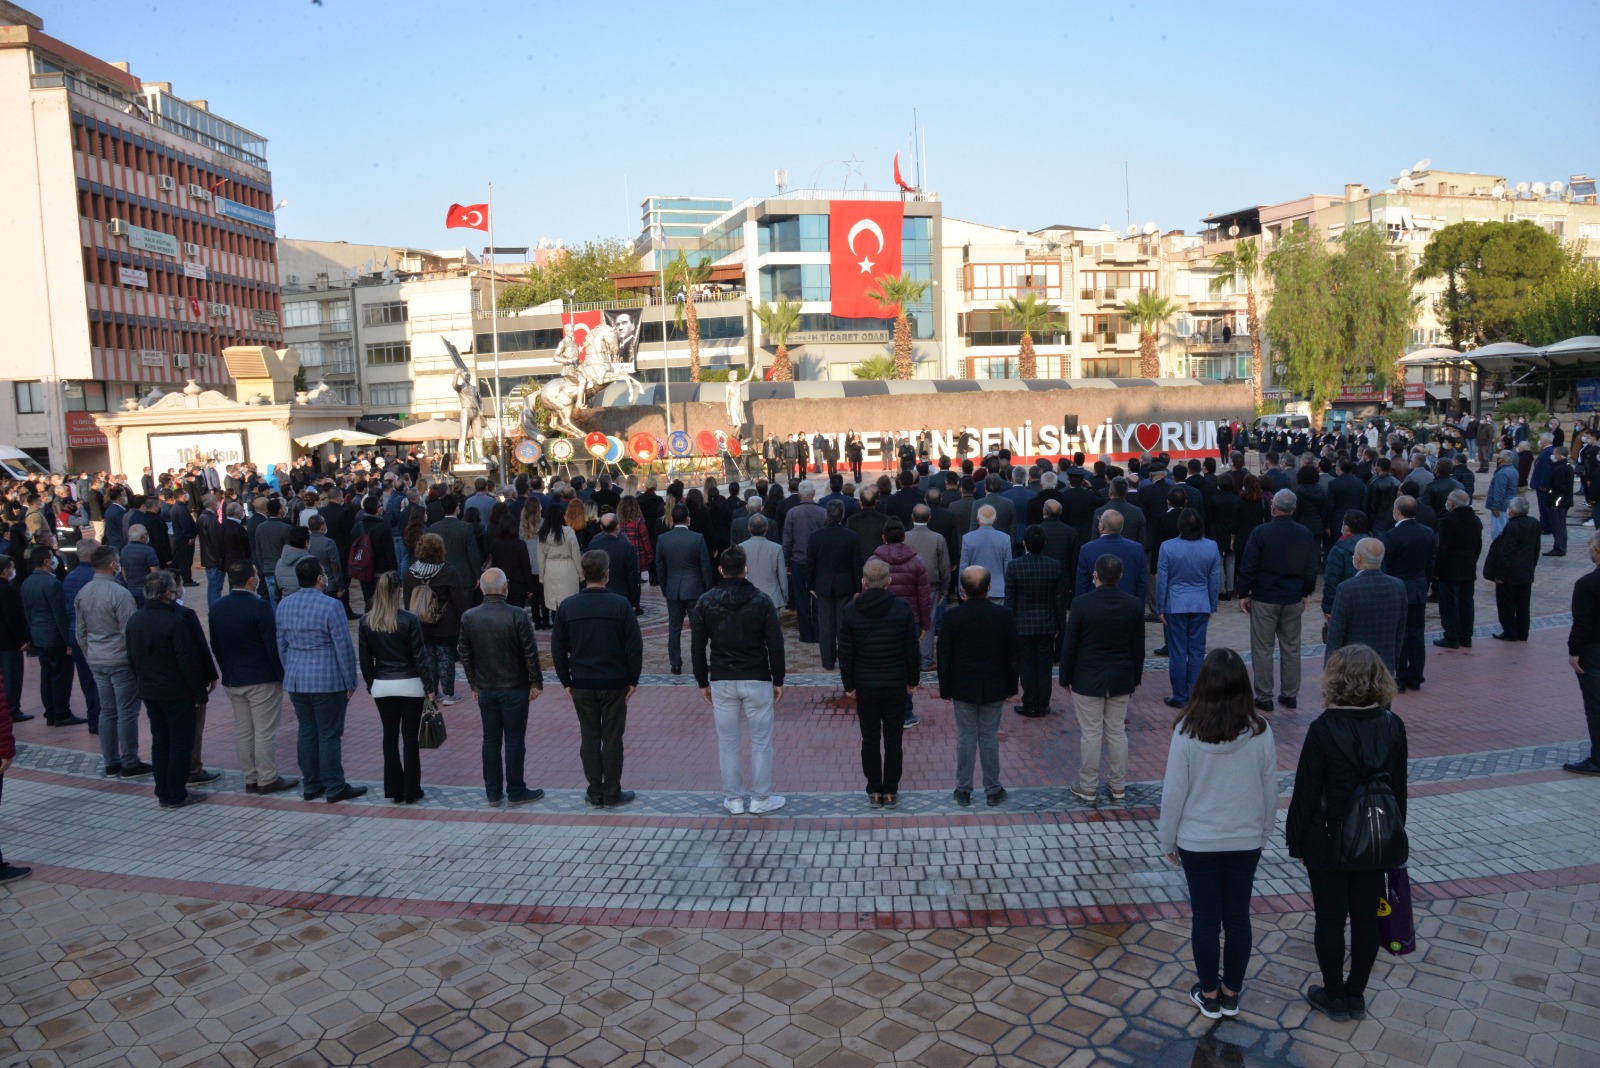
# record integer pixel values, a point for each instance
(140, 234)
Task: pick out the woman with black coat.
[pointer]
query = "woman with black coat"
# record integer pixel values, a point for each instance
(1222, 516)
(1354, 738)
(1252, 512)
(390, 648)
(1311, 506)
(509, 553)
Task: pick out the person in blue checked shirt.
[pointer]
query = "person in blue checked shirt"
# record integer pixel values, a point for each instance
(319, 673)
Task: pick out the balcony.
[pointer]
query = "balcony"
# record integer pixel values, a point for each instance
(340, 367)
(1216, 346)
(337, 326)
(1013, 338)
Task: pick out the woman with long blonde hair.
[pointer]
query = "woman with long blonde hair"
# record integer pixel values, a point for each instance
(390, 646)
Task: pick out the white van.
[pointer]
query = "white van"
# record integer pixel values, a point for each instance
(14, 463)
(1283, 421)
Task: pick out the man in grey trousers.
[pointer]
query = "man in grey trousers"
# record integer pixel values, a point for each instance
(102, 611)
(1277, 572)
(977, 657)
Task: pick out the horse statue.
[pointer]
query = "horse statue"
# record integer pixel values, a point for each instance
(579, 380)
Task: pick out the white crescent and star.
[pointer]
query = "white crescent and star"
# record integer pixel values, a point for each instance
(850, 241)
(474, 217)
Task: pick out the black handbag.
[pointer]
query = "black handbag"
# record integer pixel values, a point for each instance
(431, 731)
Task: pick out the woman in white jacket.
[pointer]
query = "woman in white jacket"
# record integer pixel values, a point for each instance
(1219, 802)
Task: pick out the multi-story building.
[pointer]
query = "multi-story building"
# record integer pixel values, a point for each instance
(674, 223)
(139, 238)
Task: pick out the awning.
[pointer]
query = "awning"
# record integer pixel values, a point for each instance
(381, 427)
(1504, 353)
(727, 272)
(1574, 350)
(1430, 357)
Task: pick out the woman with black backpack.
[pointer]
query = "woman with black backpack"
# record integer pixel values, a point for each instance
(1347, 820)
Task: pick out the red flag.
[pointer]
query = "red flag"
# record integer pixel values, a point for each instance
(582, 323)
(899, 181)
(194, 306)
(864, 243)
(471, 216)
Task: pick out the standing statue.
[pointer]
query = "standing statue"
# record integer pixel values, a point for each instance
(466, 387)
(579, 378)
(733, 397)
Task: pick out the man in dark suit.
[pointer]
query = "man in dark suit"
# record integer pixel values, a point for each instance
(340, 520)
(1111, 540)
(902, 500)
(977, 656)
(868, 523)
(1409, 549)
(1102, 658)
(1345, 493)
(1370, 608)
(1583, 653)
(1277, 572)
(836, 559)
(1036, 595)
(460, 543)
(1513, 558)
(1456, 569)
(684, 560)
(624, 568)
(1133, 521)
(1061, 544)
(1381, 493)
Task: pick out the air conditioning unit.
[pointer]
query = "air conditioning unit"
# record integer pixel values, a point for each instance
(167, 183)
(191, 249)
(199, 359)
(180, 360)
(292, 279)
(199, 192)
(117, 228)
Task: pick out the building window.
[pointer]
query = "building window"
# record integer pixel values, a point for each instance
(310, 353)
(793, 233)
(299, 313)
(342, 358)
(30, 398)
(1000, 281)
(808, 281)
(337, 313)
(91, 398)
(395, 396)
(393, 311)
(994, 367)
(388, 352)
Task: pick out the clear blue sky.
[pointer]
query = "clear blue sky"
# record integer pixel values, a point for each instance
(379, 114)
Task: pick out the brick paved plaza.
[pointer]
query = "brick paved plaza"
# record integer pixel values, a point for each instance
(264, 931)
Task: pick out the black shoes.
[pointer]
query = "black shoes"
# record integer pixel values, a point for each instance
(22, 717)
(1263, 704)
(193, 797)
(998, 796)
(113, 771)
(1583, 767)
(1173, 702)
(678, 669)
(1210, 1008)
(1552, 552)
(277, 785)
(312, 795)
(345, 793)
(10, 873)
(524, 797)
(1229, 1003)
(1446, 643)
(961, 797)
(133, 771)
(1333, 1008)
(1160, 652)
(1356, 1006)
(1288, 702)
(203, 776)
(66, 721)
(624, 798)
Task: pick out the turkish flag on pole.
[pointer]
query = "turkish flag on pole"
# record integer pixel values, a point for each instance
(864, 246)
(471, 216)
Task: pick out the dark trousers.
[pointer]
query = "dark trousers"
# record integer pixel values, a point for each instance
(1457, 611)
(602, 718)
(805, 606)
(1219, 893)
(677, 611)
(91, 692)
(1511, 602)
(1337, 896)
(1543, 498)
(402, 762)
(319, 741)
(829, 610)
(11, 667)
(183, 558)
(1033, 650)
(1412, 657)
(882, 717)
(171, 743)
(505, 724)
(1589, 686)
(1558, 529)
(55, 683)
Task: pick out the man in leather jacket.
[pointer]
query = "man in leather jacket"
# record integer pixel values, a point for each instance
(501, 658)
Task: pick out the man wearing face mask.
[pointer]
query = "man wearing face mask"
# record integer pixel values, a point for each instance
(174, 671)
(102, 610)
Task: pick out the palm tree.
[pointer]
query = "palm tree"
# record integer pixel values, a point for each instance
(1244, 262)
(683, 277)
(876, 368)
(896, 291)
(1029, 314)
(778, 322)
(1149, 313)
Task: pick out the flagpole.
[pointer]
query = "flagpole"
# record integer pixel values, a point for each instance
(494, 321)
(666, 373)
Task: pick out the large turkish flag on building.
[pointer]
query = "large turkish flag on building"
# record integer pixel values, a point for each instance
(864, 246)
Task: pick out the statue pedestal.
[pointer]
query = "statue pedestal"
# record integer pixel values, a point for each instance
(468, 472)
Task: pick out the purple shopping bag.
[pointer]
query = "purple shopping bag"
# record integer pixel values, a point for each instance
(1395, 927)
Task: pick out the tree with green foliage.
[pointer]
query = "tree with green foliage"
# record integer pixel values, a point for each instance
(778, 321)
(876, 368)
(1148, 313)
(1562, 306)
(683, 278)
(585, 270)
(897, 291)
(1244, 263)
(1031, 315)
(1341, 314)
(1490, 270)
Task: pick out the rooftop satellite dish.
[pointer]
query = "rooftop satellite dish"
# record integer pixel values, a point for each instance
(1421, 165)
(1498, 192)
(1149, 228)
(1557, 186)
(1405, 172)
(1405, 185)
(1132, 229)
(561, 242)
(1522, 187)
(1105, 226)
(1538, 189)
(1233, 230)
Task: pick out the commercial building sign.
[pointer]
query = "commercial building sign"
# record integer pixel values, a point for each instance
(232, 209)
(152, 358)
(152, 241)
(82, 433)
(264, 317)
(839, 337)
(169, 451)
(1589, 394)
(129, 276)
(196, 270)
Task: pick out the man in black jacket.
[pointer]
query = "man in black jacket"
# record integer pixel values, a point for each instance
(1583, 652)
(1036, 597)
(1408, 556)
(977, 653)
(624, 560)
(1102, 659)
(835, 560)
(1381, 492)
(1513, 558)
(1277, 572)
(880, 661)
(1456, 569)
(1345, 493)
(736, 647)
(598, 655)
(500, 655)
(1559, 489)
(174, 673)
(867, 524)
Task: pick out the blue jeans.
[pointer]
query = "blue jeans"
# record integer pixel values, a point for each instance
(11, 666)
(401, 562)
(439, 668)
(1497, 523)
(270, 586)
(1220, 885)
(1186, 649)
(119, 728)
(320, 744)
(505, 721)
(214, 580)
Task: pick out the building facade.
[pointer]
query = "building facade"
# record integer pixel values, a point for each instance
(139, 233)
